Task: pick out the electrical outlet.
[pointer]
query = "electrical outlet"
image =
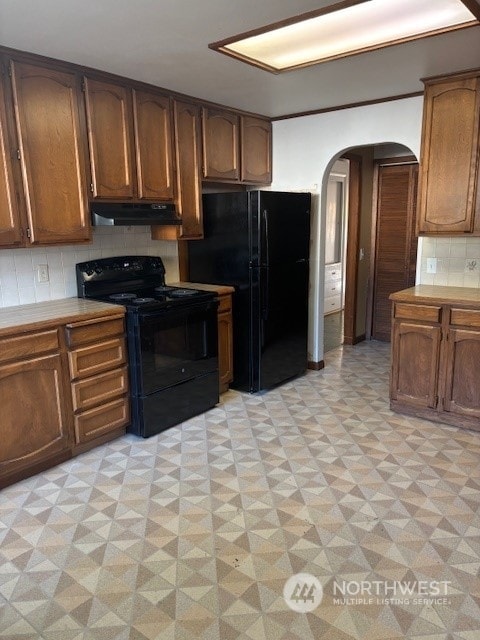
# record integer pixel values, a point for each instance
(431, 265)
(42, 273)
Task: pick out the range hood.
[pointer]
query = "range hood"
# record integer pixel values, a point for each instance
(126, 214)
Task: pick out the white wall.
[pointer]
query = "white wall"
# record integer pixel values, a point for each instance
(18, 267)
(303, 152)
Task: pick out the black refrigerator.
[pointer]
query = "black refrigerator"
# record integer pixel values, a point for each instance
(258, 242)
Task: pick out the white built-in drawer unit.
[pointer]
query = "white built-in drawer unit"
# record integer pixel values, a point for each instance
(333, 287)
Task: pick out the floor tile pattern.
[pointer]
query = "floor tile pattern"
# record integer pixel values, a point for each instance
(193, 533)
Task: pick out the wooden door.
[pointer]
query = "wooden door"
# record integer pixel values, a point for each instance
(450, 148)
(52, 153)
(110, 136)
(462, 389)
(187, 125)
(225, 342)
(255, 150)
(415, 364)
(153, 145)
(36, 428)
(220, 145)
(10, 225)
(395, 243)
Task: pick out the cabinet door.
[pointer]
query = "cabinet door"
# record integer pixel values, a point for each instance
(153, 145)
(110, 135)
(256, 150)
(10, 226)
(462, 389)
(189, 181)
(52, 153)
(34, 429)
(449, 165)
(225, 349)
(220, 145)
(415, 364)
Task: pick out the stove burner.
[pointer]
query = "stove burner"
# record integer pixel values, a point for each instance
(182, 293)
(122, 296)
(164, 289)
(142, 300)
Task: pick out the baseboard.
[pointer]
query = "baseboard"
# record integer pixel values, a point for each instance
(355, 340)
(316, 366)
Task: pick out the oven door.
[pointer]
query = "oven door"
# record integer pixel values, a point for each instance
(172, 346)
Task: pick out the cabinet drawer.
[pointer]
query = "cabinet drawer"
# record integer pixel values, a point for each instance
(417, 312)
(99, 389)
(224, 303)
(96, 358)
(28, 345)
(333, 271)
(96, 422)
(93, 330)
(332, 288)
(333, 303)
(465, 317)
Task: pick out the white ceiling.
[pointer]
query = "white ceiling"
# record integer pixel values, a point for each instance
(165, 42)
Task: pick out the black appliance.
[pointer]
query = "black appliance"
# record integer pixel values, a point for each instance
(258, 242)
(128, 214)
(171, 334)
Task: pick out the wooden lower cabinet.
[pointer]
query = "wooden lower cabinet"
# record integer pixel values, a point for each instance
(415, 366)
(63, 390)
(99, 380)
(435, 368)
(225, 341)
(34, 429)
(462, 388)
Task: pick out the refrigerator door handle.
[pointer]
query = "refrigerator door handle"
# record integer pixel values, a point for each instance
(264, 249)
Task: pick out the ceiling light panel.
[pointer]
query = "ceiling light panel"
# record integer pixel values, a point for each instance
(369, 25)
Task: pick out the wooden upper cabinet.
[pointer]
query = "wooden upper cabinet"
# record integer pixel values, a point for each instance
(450, 155)
(153, 146)
(52, 153)
(220, 145)
(110, 136)
(10, 226)
(189, 182)
(256, 150)
(188, 145)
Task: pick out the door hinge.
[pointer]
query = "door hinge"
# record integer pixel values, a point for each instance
(91, 187)
(83, 86)
(19, 155)
(29, 235)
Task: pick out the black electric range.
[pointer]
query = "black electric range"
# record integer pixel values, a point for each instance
(171, 334)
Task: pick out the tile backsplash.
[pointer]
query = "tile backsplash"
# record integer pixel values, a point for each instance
(457, 261)
(19, 267)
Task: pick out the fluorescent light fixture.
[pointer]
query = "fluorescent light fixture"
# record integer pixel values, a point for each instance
(343, 29)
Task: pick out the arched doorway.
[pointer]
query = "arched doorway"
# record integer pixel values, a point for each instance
(379, 240)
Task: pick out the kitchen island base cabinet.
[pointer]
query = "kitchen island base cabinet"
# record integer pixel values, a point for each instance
(435, 368)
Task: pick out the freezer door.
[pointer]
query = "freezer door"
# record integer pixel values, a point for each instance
(282, 323)
(223, 256)
(284, 226)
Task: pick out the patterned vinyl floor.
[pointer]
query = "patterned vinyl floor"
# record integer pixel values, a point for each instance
(193, 533)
